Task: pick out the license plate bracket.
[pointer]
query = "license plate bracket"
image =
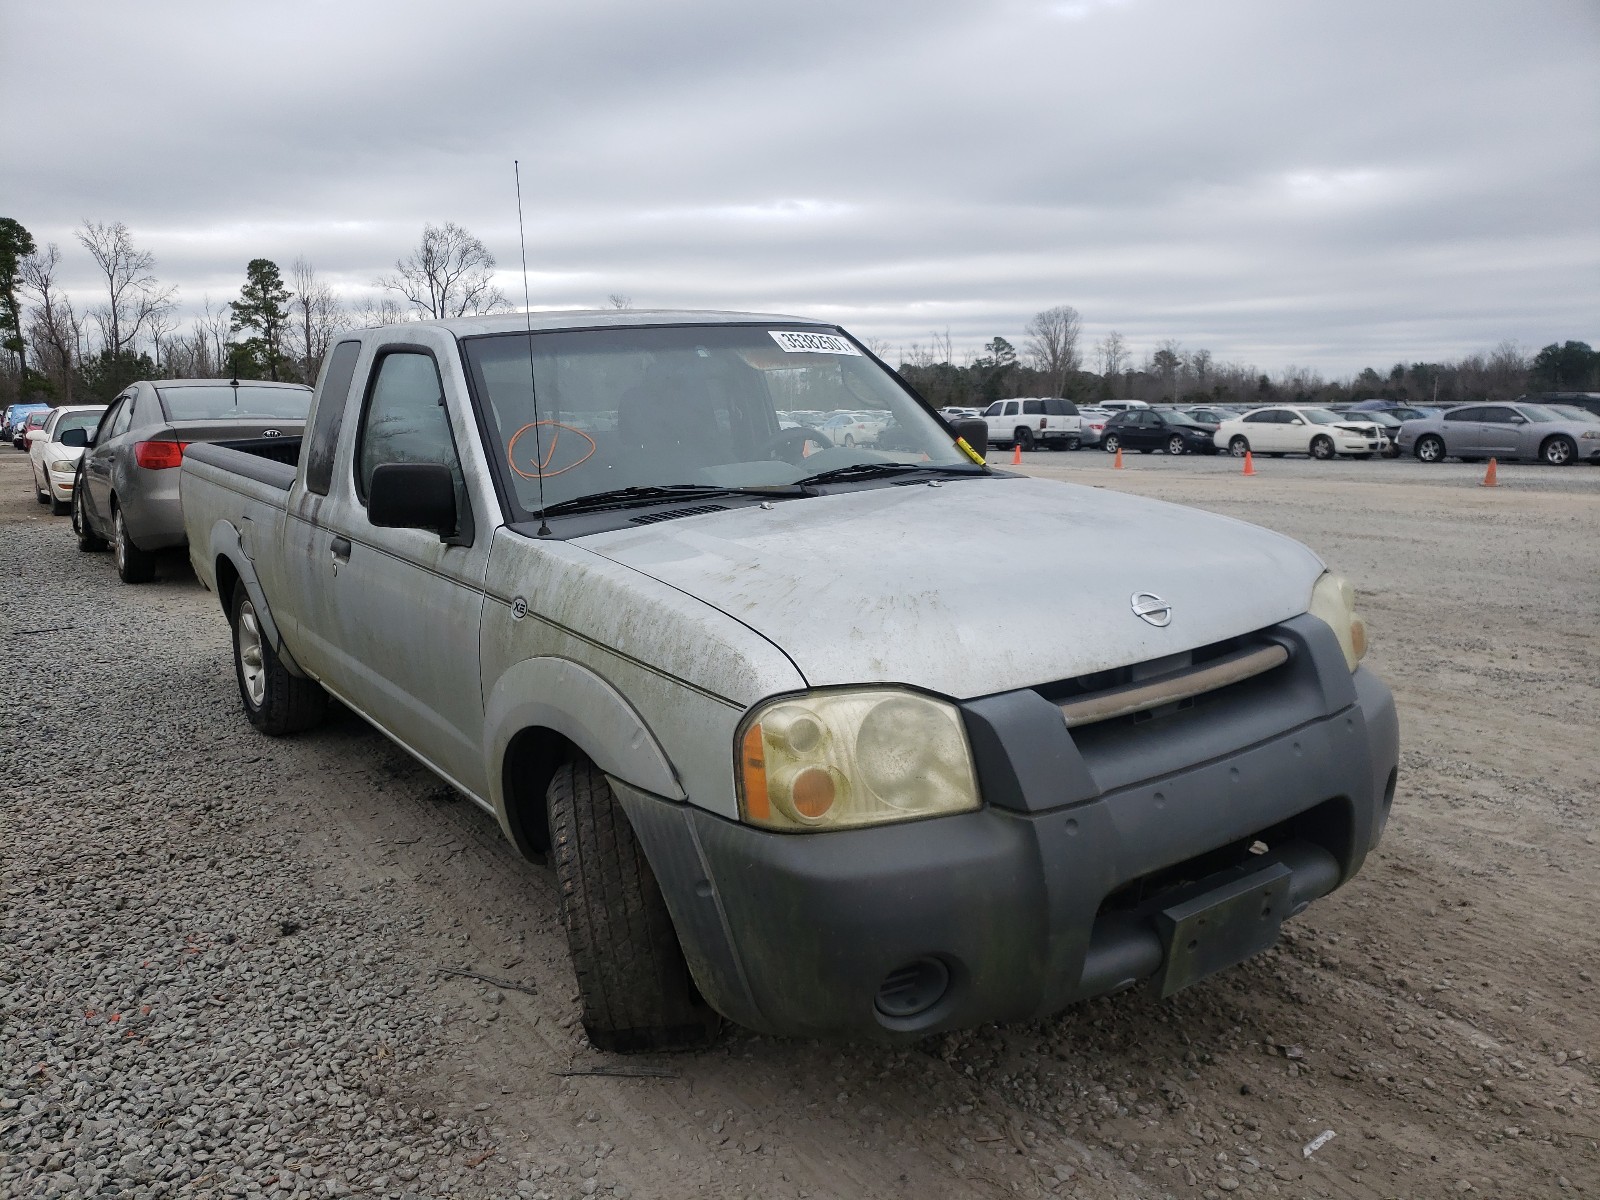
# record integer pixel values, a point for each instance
(1221, 926)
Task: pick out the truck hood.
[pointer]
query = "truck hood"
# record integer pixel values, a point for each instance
(976, 586)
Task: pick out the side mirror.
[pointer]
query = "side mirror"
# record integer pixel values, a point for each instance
(413, 496)
(75, 437)
(975, 431)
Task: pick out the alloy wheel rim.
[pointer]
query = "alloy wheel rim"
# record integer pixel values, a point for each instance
(252, 669)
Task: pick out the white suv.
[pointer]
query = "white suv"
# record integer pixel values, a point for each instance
(1025, 422)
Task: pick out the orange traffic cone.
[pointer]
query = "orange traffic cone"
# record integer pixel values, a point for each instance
(1490, 477)
(1249, 463)
(1118, 463)
(1016, 453)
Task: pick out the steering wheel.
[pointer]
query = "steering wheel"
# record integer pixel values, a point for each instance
(799, 435)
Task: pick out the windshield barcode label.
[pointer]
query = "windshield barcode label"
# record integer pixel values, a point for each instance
(812, 343)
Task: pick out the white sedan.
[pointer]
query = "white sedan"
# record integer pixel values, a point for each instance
(55, 462)
(1293, 429)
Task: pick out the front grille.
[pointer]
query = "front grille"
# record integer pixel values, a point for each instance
(675, 513)
(1142, 690)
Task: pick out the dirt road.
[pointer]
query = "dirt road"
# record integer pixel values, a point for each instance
(297, 905)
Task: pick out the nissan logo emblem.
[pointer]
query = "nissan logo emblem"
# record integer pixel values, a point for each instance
(1151, 608)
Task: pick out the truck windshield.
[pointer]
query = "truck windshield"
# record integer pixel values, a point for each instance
(741, 406)
(211, 401)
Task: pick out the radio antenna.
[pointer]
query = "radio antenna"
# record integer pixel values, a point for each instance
(527, 319)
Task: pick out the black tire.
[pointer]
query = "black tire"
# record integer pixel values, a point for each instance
(1238, 445)
(59, 508)
(275, 701)
(633, 983)
(1322, 448)
(133, 564)
(1558, 451)
(1176, 445)
(1074, 443)
(1110, 443)
(1023, 438)
(88, 540)
(1429, 448)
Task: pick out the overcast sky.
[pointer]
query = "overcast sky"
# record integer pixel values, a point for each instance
(1332, 185)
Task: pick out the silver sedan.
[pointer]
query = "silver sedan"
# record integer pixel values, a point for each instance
(127, 490)
(1473, 432)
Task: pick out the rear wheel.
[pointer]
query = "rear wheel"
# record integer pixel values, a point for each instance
(633, 982)
(1238, 445)
(133, 564)
(1074, 443)
(1429, 448)
(1558, 451)
(275, 701)
(1175, 445)
(1024, 438)
(1111, 443)
(1322, 447)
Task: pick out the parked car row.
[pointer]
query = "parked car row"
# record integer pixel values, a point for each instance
(113, 467)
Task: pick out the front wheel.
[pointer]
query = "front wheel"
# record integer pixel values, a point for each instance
(275, 701)
(1430, 448)
(633, 983)
(1111, 443)
(1558, 451)
(88, 539)
(133, 564)
(1322, 447)
(1175, 445)
(1239, 445)
(59, 508)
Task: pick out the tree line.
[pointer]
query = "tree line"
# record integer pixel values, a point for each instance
(64, 351)
(1053, 361)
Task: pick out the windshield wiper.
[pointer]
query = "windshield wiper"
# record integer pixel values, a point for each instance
(632, 497)
(877, 470)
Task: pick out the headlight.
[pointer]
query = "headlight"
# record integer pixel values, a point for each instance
(64, 466)
(1333, 600)
(834, 760)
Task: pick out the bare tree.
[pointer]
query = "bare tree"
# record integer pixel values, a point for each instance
(1113, 352)
(450, 274)
(1167, 363)
(133, 297)
(1200, 368)
(162, 325)
(1052, 344)
(878, 346)
(620, 302)
(315, 317)
(56, 331)
(380, 310)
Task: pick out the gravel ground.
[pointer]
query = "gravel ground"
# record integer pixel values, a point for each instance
(226, 965)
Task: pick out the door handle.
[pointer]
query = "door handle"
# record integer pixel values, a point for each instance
(340, 548)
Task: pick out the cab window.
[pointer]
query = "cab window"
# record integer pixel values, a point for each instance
(405, 420)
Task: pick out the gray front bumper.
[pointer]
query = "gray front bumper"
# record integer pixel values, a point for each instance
(1057, 889)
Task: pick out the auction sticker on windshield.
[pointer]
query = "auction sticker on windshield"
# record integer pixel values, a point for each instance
(812, 343)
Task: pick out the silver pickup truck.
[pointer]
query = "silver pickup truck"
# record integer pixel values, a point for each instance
(741, 688)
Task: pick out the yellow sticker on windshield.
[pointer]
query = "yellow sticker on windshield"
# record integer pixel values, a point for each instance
(970, 452)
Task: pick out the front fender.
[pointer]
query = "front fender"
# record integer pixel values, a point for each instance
(567, 698)
(224, 543)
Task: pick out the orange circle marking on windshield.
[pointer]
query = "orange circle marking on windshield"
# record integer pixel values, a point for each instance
(542, 470)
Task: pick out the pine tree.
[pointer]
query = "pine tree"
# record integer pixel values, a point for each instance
(262, 308)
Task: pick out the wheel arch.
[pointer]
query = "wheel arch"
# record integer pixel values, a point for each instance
(543, 712)
(230, 567)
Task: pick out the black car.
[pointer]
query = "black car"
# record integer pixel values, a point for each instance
(1147, 430)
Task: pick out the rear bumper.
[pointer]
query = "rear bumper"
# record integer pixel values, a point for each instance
(1057, 890)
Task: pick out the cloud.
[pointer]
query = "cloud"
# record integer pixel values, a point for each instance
(1274, 182)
